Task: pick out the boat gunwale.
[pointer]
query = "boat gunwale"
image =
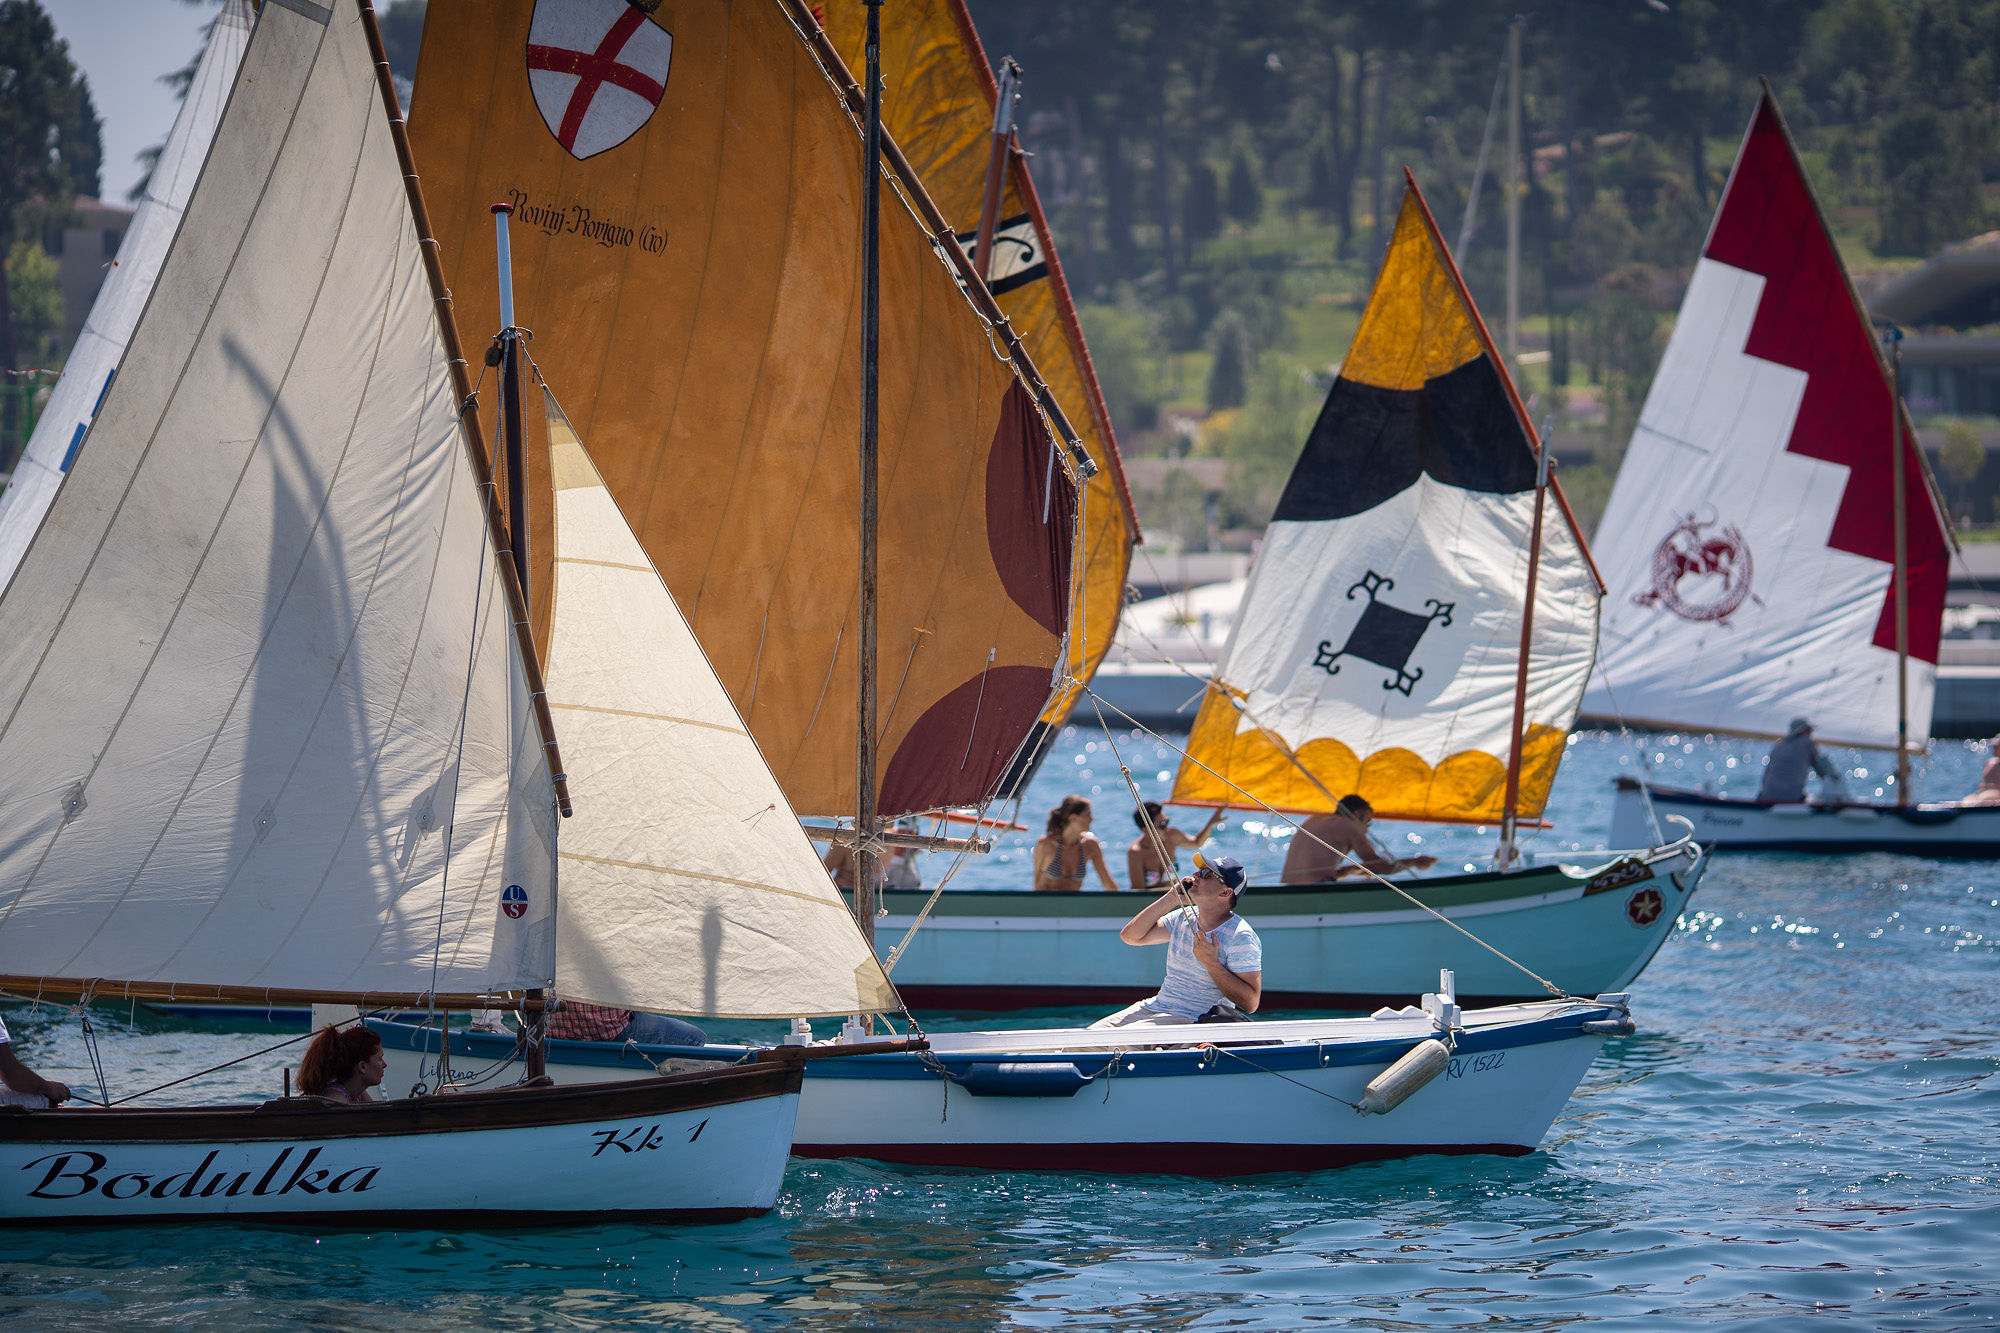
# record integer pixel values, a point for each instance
(313, 1118)
(1340, 897)
(1161, 1051)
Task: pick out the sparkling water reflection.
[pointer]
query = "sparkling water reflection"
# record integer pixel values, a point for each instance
(1803, 1126)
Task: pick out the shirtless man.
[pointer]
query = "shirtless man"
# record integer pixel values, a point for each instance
(1327, 847)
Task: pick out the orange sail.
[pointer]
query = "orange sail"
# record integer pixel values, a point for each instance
(938, 104)
(687, 186)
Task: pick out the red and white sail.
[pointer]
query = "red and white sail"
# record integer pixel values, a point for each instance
(1749, 545)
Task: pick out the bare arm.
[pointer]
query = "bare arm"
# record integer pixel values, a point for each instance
(1145, 927)
(1201, 838)
(1095, 850)
(20, 1078)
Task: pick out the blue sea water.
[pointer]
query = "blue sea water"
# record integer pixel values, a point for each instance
(1804, 1128)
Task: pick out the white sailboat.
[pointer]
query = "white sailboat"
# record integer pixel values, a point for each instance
(1773, 546)
(1425, 1080)
(52, 449)
(273, 730)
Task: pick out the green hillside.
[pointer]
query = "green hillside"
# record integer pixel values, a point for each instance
(1221, 177)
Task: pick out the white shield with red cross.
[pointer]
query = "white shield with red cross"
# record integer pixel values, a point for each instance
(598, 69)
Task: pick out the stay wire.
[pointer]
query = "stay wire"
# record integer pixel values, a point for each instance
(1354, 861)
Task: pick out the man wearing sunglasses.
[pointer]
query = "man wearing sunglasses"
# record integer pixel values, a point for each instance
(1215, 963)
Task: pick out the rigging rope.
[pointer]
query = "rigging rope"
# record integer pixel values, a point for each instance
(1355, 862)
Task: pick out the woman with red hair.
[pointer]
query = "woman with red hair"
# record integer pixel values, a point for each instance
(342, 1063)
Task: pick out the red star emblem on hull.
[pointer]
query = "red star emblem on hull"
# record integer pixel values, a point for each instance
(1644, 907)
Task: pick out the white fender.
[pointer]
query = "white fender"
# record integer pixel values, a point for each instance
(1393, 1086)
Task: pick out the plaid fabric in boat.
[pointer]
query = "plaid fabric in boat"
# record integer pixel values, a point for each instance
(587, 1022)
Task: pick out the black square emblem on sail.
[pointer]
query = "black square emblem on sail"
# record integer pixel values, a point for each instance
(1385, 635)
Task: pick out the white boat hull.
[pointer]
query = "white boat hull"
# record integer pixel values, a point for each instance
(707, 1148)
(1205, 1099)
(1735, 825)
(1354, 945)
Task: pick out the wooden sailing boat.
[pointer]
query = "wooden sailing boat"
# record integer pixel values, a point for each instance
(689, 194)
(1022, 1085)
(101, 343)
(273, 730)
(1385, 648)
(1773, 544)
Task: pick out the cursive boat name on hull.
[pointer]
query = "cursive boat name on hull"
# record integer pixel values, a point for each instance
(77, 1172)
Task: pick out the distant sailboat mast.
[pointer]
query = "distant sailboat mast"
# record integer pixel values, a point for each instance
(871, 330)
(1901, 575)
(1511, 811)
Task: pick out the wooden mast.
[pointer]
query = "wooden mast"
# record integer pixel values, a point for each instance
(871, 327)
(1902, 572)
(1510, 810)
(996, 167)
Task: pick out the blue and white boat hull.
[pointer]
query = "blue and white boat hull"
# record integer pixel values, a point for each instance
(1727, 824)
(1203, 1099)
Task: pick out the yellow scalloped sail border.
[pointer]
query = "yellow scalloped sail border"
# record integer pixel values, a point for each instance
(1246, 768)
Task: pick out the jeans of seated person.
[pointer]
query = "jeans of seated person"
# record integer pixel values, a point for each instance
(659, 1030)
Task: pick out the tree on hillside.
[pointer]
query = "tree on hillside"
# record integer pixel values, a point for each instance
(1245, 200)
(50, 145)
(1201, 205)
(36, 303)
(1962, 458)
(1229, 372)
(1931, 180)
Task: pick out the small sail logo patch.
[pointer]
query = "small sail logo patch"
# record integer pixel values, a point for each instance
(1017, 254)
(1701, 571)
(514, 901)
(1385, 635)
(598, 69)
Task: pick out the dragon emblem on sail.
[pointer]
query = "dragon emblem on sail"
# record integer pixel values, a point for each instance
(1701, 571)
(1385, 635)
(598, 69)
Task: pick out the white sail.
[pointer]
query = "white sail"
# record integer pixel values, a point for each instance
(262, 717)
(108, 327)
(1749, 543)
(683, 847)
(1378, 647)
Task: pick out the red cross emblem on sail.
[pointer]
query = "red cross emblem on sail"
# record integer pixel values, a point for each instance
(598, 69)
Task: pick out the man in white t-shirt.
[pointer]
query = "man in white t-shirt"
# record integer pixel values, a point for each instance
(1215, 962)
(22, 1086)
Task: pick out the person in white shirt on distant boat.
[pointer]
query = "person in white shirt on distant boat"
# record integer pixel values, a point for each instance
(1792, 761)
(1215, 962)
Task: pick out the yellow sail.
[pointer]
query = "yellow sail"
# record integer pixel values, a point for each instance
(687, 186)
(1378, 647)
(938, 105)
